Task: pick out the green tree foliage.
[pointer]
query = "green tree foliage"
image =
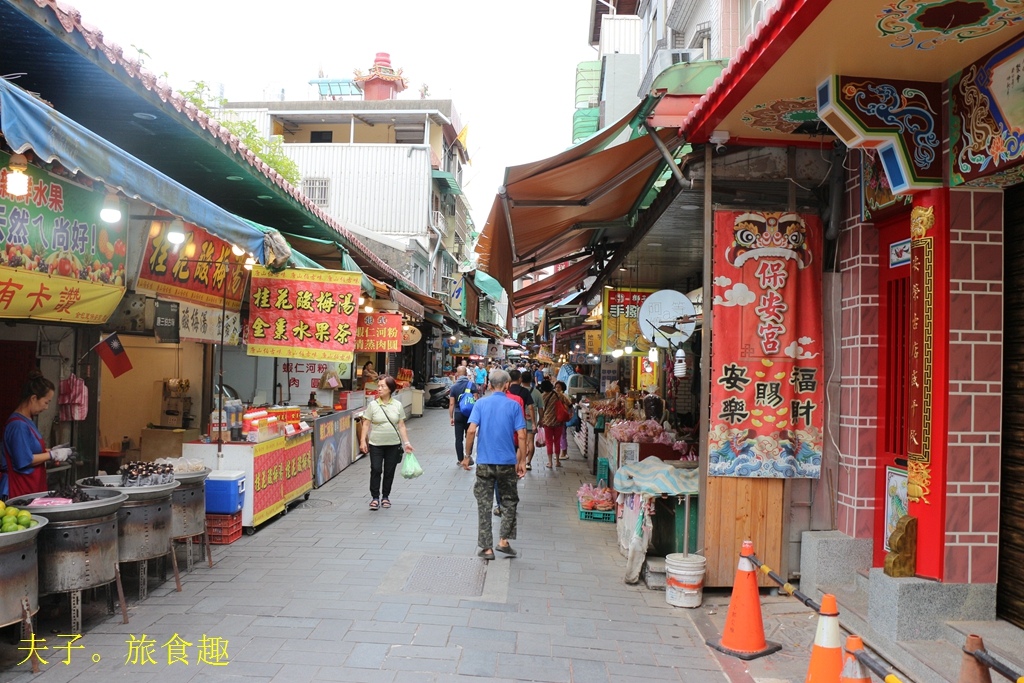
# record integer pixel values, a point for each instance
(271, 151)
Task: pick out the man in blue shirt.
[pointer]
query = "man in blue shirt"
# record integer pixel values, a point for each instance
(495, 419)
(481, 375)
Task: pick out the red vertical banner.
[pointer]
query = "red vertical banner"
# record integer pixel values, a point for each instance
(268, 480)
(379, 332)
(767, 364)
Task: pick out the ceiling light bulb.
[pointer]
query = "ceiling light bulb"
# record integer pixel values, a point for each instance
(176, 231)
(628, 350)
(652, 355)
(249, 263)
(237, 250)
(617, 353)
(111, 211)
(362, 300)
(17, 181)
(368, 308)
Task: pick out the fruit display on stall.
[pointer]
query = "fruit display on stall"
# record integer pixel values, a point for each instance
(15, 519)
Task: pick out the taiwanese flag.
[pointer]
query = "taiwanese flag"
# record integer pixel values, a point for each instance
(114, 356)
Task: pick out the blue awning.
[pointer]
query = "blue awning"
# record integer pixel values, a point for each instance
(28, 123)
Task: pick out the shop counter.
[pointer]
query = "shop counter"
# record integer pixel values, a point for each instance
(277, 472)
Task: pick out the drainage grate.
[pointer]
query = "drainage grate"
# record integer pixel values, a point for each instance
(447, 575)
(313, 503)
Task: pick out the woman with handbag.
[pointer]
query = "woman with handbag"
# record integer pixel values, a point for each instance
(553, 418)
(384, 424)
(563, 443)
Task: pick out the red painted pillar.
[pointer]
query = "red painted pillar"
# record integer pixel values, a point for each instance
(929, 376)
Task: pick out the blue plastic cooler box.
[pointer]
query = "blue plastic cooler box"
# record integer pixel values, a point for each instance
(225, 492)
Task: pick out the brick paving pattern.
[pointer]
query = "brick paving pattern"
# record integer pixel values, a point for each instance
(329, 592)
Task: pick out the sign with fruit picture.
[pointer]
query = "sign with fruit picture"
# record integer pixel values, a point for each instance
(57, 262)
(201, 270)
(305, 314)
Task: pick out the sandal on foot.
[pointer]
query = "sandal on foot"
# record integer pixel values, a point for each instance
(374, 504)
(507, 550)
(385, 503)
(487, 554)
(558, 464)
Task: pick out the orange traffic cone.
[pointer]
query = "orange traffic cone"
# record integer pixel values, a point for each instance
(971, 670)
(743, 636)
(827, 653)
(853, 671)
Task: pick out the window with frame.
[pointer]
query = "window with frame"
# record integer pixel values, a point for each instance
(317, 189)
(321, 136)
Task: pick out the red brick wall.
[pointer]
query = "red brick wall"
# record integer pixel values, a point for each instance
(975, 386)
(858, 264)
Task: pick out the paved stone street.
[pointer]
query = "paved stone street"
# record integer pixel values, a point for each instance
(334, 592)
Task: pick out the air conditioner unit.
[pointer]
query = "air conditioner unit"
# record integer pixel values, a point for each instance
(593, 101)
(686, 56)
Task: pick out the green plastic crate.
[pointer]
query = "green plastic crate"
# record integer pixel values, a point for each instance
(596, 515)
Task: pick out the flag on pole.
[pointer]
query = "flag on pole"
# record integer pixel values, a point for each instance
(114, 356)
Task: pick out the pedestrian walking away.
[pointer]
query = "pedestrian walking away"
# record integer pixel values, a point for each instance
(520, 387)
(554, 428)
(383, 436)
(495, 420)
(563, 442)
(538, 406)
(459, 420)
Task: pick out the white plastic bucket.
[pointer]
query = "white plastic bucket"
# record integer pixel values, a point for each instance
(684, 579)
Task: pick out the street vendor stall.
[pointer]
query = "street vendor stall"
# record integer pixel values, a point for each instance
(278, 471)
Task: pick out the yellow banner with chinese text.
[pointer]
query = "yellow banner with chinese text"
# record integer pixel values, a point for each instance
(43, 296)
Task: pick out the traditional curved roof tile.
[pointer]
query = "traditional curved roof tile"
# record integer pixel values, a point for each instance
(71, 20)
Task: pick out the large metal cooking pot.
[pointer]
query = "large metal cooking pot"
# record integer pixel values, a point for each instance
(102, 503)
(111, 482)
(188, 504)
(19, 568)
(78, 554)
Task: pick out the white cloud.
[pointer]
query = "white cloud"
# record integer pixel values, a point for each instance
(797, 352)
(739, 295)
(805, 340)
(722, 281)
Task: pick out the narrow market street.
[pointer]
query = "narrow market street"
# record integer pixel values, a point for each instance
(333, 591)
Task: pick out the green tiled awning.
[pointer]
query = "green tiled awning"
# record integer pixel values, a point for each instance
(585, 123)
(447, 182)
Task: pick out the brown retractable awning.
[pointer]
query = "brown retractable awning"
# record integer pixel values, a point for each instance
(550, 209)
(550, 288)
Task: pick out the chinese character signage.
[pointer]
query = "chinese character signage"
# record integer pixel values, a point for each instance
(593, 341)
(304, 314)
(201, 270)
(165, 322)
(767, 384)
(379, 332)
(56, 263)
(620, 324)
(202, 324)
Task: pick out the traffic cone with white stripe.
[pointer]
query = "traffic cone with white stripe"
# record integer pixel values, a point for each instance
(971, 670)
(853, 671)
(827, 653)
(743, 636)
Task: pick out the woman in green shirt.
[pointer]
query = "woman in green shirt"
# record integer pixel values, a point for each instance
(384, 424)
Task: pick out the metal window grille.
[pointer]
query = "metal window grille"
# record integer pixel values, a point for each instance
(317, 190)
